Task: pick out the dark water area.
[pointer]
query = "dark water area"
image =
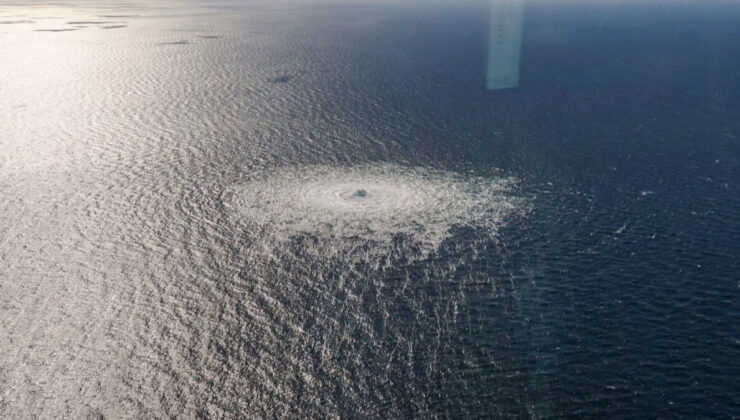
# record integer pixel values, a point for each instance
(317, 209)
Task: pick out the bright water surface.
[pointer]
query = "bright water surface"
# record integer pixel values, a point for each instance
(317, 209)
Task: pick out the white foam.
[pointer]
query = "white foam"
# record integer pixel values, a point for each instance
(374, 202)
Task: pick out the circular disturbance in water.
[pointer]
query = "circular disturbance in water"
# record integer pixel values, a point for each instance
(374, 202)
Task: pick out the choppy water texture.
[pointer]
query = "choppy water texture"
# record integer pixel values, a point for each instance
(312, 209)
(374, 203)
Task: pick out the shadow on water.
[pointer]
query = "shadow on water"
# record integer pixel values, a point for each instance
(57, 30)
(281, 79)
(181, 42)
(82, 22)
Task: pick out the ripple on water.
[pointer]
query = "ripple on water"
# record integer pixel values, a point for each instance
(374, 202)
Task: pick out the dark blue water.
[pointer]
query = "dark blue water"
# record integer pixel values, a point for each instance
(281, 210)
(627, 125)
(626, 128)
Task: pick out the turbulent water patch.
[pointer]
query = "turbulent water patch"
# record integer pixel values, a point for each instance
(353, 268)
(375, 202)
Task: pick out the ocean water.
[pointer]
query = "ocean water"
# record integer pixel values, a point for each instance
(312, 209)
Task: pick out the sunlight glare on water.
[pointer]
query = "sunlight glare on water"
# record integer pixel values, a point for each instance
(369, 209)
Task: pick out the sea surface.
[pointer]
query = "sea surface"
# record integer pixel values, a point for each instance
(316, 209)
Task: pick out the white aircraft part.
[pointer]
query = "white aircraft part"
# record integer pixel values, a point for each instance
(504, 45)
